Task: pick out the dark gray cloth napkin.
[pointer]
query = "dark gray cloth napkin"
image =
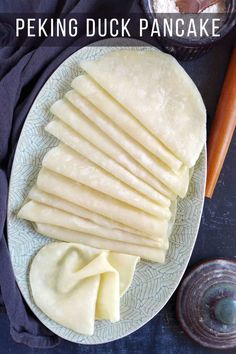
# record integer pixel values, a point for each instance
(23, 71)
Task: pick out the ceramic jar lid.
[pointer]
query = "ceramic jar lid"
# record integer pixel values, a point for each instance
(206, 304)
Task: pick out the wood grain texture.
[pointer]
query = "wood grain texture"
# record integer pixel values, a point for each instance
(222, 127)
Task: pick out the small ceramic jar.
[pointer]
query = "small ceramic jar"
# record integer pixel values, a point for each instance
(191, 48)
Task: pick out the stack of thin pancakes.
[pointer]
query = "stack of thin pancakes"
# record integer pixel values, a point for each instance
(129, 130)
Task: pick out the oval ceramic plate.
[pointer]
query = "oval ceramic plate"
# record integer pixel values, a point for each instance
(153, 284)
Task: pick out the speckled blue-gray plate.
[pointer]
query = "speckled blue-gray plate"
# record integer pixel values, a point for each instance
(153, 284)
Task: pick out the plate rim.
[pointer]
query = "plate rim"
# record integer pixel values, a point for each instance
(204, 152)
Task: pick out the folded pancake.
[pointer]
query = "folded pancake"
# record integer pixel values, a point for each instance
(108, 297)
(38, 195)
(173, 209)
(94, 93)
(177, 183)
(71, 191)
(74, 308)
(74, 140)
(78, 121)
(125, 266)
(153, 87)
(71, 164)
(61, 234)
(41, 213)
(74, 284)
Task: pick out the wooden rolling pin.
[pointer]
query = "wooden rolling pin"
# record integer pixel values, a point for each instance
(222, 127)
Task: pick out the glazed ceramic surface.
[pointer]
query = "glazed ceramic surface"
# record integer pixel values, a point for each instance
(153, 283)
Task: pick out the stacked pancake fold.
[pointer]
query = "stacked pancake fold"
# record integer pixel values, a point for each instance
(130, 129)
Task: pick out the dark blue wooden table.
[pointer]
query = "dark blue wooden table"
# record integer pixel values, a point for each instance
(217, 238)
